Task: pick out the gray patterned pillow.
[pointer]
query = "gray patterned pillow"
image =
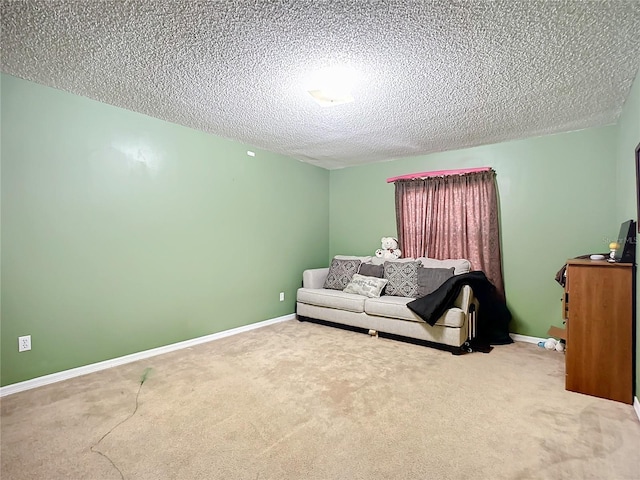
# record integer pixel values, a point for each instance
(403, 278)
(367, 286)
(340, 273)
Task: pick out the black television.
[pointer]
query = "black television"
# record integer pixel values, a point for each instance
(626, 251)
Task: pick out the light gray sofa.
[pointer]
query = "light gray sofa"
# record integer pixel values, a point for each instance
(390, 314)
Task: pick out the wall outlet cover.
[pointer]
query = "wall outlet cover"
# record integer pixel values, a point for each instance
(24, 343)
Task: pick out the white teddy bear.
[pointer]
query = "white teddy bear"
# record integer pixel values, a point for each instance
(389, 250)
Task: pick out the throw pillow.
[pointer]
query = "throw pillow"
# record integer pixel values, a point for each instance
(461, 265)
(371, 270)
(403, 278)
(430, 279)
(340, 273)
(367, 286)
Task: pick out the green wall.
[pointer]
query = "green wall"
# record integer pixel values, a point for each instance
(122, 233)
(628, 139)
(556, 198)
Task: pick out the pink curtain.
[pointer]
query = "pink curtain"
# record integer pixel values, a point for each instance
(453, 216)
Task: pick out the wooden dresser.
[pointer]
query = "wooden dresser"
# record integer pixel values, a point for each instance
(598, 309)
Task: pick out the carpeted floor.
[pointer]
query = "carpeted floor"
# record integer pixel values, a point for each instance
(305, 401)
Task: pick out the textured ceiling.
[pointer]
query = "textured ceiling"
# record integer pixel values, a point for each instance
(431, 75)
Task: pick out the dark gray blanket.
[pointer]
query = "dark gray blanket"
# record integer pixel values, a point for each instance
(493, 315)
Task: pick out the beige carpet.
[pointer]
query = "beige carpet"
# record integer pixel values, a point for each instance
(306, 401)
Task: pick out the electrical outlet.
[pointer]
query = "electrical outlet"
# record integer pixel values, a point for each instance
(24, 343)
(282, 296)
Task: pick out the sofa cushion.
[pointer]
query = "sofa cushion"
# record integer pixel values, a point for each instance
(380, 260)
(454, 317)
(461, 265)
(323, 297)
(403, 278)
(429, 279)
(391, 306)
(367, 286)
(340, 273)
(396, 307)
(371, 270)
(365, 259)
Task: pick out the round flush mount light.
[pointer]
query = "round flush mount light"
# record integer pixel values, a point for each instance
(332, 85)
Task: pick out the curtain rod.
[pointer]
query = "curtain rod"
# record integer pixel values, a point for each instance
(438, 173)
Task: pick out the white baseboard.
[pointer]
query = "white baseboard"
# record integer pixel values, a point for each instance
(636, 407)
(114, 362)
(526, 338)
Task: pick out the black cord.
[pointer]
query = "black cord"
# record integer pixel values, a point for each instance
(144, 377)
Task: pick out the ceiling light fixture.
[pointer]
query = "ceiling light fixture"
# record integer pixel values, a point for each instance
(332, 86)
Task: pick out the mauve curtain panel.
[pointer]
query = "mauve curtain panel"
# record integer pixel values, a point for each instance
(452, 216)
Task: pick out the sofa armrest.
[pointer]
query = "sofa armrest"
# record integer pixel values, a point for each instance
(315, 277)
(465, 299)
